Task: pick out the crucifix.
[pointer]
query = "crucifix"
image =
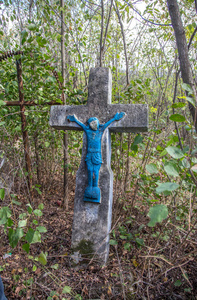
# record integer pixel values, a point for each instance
(94, 133)
(94, 179)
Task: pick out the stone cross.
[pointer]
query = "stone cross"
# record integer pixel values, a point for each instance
(92, 221)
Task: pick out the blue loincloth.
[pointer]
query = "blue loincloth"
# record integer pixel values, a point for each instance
(94, 157)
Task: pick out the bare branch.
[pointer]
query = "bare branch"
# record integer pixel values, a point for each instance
(105, 37)
(124, 42)
(158, 24)
(101, 37)
(192, 36)
(76, 44)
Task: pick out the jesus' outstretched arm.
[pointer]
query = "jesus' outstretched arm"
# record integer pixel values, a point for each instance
(73, 118)
(117, 117)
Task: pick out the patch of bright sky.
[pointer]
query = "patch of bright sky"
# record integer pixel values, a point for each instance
(139, 6)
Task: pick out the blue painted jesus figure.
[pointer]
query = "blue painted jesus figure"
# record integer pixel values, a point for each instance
(94, 132)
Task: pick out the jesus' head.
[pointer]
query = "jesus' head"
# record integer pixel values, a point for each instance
(93, 123)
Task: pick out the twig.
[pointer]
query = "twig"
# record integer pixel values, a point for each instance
(158, 24)
(190, 210)
(124, 41)
(174, 98)
(121, 275)
(43, 287)
(105, 37)
(76, 44)
(101, 37)
(158, 257)
(185, 276)
(181, 244)
(178, 266)
(192, 36)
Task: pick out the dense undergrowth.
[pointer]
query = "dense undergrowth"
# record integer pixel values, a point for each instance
(153, 237)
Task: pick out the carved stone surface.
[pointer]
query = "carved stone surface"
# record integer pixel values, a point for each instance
(92, 221)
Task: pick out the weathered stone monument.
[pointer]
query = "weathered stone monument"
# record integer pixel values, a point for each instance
(94, 180)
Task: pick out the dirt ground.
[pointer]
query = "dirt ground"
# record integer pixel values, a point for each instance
(143, 264)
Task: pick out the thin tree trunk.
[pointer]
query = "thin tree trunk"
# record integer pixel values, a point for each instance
(127, 172)
(181, 42)
(127, 81)
(124, 43)
(107, 25)
(37, 158)
(102, 41)
(65, 134)
(101, 37)
(24, 124)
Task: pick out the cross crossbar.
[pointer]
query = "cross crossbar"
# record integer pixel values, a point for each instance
(99, 105)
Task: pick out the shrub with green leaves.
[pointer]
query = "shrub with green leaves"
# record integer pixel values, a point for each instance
(25, 229)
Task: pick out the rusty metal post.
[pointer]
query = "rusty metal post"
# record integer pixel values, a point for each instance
(24, 124)
(65, 134)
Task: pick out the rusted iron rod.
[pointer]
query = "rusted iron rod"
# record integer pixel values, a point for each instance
(24, 124)
(30, 103)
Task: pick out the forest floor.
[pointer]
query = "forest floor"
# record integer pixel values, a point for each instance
(146, 263)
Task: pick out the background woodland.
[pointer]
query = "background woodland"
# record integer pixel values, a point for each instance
(46, 51)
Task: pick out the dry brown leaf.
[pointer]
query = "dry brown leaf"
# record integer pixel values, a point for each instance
(18, 289)
(38, 271)
(109, 291)
(85, 290)
(165, 279)
(135, 263)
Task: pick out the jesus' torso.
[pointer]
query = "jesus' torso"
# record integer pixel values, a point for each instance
(94, 138)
